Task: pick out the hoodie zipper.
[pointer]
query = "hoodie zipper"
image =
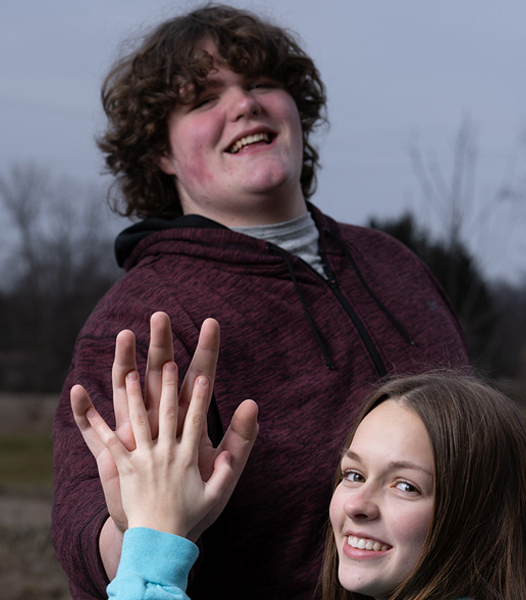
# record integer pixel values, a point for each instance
(366, 338)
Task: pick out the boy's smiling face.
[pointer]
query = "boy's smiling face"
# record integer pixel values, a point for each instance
(237, 150)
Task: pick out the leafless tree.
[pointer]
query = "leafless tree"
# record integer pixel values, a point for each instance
(463, 211)
(456, 197)
(58, 263)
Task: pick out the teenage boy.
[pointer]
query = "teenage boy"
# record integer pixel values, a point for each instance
(209, 138)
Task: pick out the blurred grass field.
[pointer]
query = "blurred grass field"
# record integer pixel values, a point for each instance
(29, 569)
(26, 461)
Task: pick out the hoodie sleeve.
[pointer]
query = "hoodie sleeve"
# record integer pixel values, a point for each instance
(153, 566)
(79, 507)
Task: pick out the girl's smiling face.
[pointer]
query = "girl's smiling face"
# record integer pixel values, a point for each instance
(382, 508)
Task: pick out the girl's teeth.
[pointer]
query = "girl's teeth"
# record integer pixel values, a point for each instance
(365, 544)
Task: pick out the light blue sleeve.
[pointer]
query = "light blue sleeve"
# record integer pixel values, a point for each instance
(153, 566)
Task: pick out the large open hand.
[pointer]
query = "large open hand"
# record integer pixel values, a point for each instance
(236, 443)
(160, 481)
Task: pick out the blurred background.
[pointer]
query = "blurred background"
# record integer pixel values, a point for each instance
(427, 140)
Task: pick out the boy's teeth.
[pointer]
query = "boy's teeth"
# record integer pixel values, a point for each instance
(249, 139)
(365, 544)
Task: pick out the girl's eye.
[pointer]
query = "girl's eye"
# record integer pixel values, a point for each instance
(406, 487)
(353, 477)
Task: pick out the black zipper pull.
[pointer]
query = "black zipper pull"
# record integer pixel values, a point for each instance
(331, 280)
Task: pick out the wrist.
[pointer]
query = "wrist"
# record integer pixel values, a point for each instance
(159, 524)
(110, 544)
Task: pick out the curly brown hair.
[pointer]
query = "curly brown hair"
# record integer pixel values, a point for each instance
(143, 87)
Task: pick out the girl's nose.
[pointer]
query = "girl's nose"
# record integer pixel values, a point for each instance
(362, 504)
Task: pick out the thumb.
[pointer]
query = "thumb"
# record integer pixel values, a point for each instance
(245, 421)
(241, 435)
(221, 480)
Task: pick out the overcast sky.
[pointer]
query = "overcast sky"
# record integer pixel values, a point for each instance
(399, 73)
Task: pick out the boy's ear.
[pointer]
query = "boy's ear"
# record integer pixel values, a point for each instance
(166, 164)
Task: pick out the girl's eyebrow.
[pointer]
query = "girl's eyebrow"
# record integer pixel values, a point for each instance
(393, 465)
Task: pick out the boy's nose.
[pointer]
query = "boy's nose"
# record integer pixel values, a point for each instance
(243, 104)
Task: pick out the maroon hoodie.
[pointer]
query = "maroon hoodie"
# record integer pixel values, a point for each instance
(304, 347)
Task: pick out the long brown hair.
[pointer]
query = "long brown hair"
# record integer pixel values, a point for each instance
(144, 86)
(476, 545)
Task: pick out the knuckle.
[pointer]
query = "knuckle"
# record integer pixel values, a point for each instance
(197, 421)
(170, 413)
(140, 420)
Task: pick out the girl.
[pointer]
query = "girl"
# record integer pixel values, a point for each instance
(428, 504)
(430, 497)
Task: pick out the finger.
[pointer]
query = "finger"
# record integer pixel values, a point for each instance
(80, 404)
(123, 363)
(237, 442)
(168, 405)
(203, 363)
(241, 436)
(159, 352)
(107, 436)
(219, 488)
(138, 414)
(94, 429)
(195, 420)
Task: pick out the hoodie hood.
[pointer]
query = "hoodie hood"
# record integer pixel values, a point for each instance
(128, 239)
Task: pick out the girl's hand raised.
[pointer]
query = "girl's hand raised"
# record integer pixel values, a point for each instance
(162, 479)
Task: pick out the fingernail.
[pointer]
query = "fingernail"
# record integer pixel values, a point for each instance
(90, 413)
(132, 376)
(202, 381)
(169, 367)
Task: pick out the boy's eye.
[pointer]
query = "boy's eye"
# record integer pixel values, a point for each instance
(202, 101)
(262, 85)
